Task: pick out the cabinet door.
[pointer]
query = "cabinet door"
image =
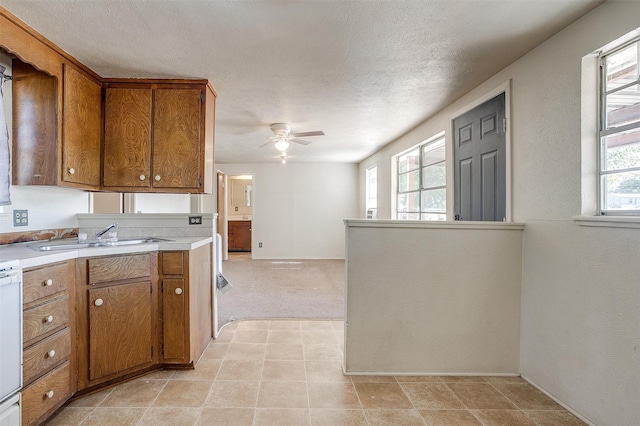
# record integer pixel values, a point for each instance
(82, 129)
(120, 328)
(240, 235)
(243, 236)
(174, 297)
(177, 148)
(35, 126)
(127, 137)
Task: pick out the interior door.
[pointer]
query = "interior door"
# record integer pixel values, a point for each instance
(479, 157)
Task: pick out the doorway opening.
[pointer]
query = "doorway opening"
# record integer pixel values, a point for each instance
(237, 221)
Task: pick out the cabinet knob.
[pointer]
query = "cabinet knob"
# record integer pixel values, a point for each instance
(157, 178)
(142, 177)
(98, 302)
(71, 170)
(51, 353)
(178, 290)
(49, 394)
(48, 283)
(49, 319)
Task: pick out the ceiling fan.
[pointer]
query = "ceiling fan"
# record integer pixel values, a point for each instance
(282, 136)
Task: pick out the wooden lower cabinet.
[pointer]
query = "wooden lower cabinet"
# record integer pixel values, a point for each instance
(121, 329)
(117, 299)
(186, 304)
(48, 320)
(116, 324)
(44, 355)
(45, 395)
(239, 233)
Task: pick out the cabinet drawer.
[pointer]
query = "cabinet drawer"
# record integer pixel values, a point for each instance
(45, 281)
(45, 394)
(106, 269)
(45, 354)
(172, 263)
(43, 319)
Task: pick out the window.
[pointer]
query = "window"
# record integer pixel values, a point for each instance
(421, 191)
(619, 131)
(371, 202)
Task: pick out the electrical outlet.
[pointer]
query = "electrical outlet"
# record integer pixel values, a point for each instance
(20, 217)
(195, 220)
(260, 244)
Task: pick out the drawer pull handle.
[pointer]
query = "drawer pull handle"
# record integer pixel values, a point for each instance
(178, 290)
(48, 283)
(51, 353)
(71, 170)
(158, 178)
(98, 302)
(49, 394)
(142, 177)
(49, 319)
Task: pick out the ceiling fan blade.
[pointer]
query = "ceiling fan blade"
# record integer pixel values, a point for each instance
(265, 144)
(303, 134)
(300, 141)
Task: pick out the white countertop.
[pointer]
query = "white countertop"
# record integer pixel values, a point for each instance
(30, 258)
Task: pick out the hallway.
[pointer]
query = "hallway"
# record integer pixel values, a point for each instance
(279, 289)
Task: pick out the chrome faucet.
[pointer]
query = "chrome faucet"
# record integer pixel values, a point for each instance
(99, 234)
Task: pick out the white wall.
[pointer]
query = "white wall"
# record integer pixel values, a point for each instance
(409, 310)
(162, 203)
(299, 208)
(580, 326)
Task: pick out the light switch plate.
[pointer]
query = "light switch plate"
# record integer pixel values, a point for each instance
(20, 217)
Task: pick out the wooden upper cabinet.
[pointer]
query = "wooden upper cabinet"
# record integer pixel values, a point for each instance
(177, 147)
(158, 137)
(35, 126)
(40, 155)
(127, 137)
(82, 127)
(73, 128)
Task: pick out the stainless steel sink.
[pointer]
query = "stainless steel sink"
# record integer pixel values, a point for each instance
(61, 246)
(75, 245)
(131, 241)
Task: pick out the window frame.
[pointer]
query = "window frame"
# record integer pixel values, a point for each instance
(367, 206)
(603, 131)
(435, 142)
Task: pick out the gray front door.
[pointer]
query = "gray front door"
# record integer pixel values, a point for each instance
(480, 162)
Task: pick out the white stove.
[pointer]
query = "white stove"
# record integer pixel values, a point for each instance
(10, 341)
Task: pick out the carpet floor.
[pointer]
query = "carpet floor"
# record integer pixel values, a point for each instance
(277, 289)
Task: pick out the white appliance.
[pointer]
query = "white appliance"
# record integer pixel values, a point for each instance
(10, 342)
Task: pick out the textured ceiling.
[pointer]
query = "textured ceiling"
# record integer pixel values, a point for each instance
(364, 72)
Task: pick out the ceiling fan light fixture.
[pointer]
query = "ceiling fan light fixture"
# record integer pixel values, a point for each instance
(282, 145)
(284, 158)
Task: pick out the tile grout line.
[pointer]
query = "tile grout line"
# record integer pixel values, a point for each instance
(306, 378)
(409, 399)
(514, 403)
(93, 409)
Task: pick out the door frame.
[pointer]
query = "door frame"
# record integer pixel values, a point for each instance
(502, 88)
(225, 219)
(221, 200)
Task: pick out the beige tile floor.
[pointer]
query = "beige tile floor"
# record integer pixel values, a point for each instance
(288, 372)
